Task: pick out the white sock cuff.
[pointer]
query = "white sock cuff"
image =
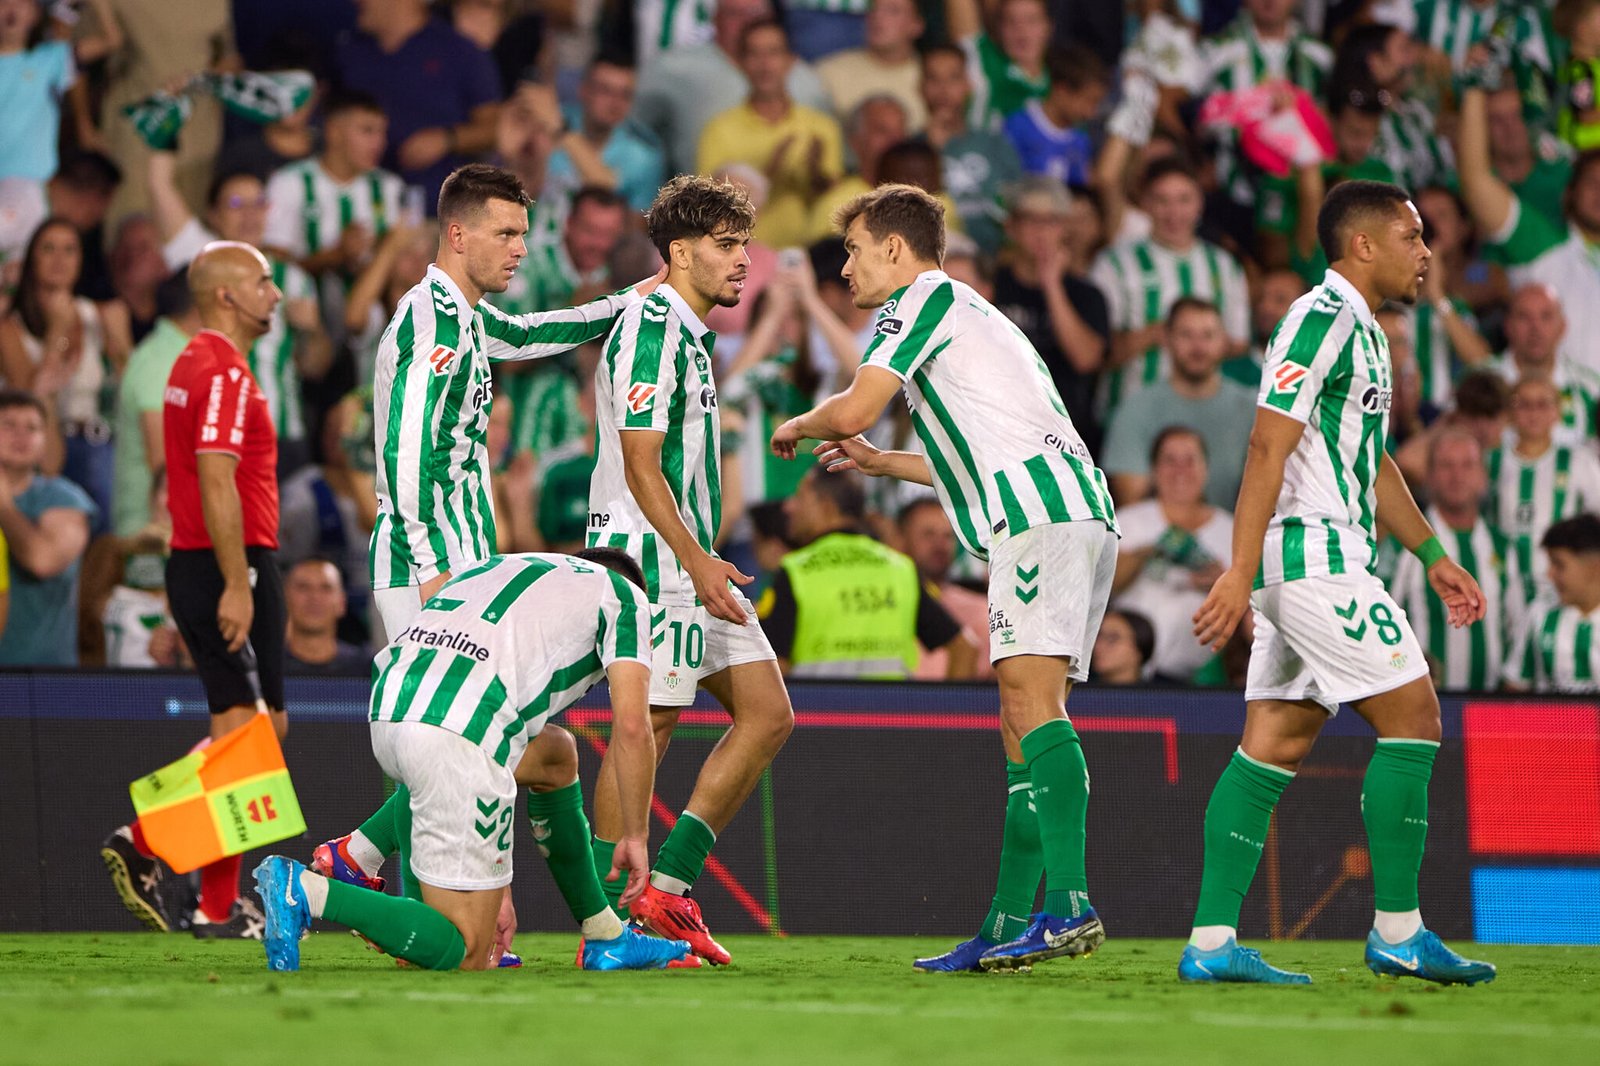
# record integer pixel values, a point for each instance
(603, 926)
(1265, 765)
(1408, 740)
(315, 886)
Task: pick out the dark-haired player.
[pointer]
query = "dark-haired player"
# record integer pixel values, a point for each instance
(657, 495)
(1021, 491)
(1316, 482)
(431, 395)
(459, 694)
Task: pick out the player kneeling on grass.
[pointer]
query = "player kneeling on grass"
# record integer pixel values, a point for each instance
(1316, 483)
(459, 694)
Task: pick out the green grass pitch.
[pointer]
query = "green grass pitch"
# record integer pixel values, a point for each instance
(171, 1001)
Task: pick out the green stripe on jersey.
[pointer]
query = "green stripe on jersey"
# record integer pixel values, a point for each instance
(531, 571)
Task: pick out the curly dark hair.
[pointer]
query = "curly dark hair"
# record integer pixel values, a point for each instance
(691, 206)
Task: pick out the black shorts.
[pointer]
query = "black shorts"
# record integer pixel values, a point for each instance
(255, 671)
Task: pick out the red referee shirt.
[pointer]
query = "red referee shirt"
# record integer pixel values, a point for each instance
(213, 404)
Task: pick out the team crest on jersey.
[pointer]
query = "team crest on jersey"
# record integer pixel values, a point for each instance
(1287, 377)
(641, 398)
(441, 358)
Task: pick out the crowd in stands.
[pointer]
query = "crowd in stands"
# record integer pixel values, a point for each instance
(1144, 247)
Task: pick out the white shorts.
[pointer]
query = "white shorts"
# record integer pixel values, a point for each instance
(1334, 639)
(691, 644)
(1048, 588)
(463, 805)
(397, 608)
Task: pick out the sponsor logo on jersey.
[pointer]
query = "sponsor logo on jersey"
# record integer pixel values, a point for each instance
(443, 638)
(599, 519)
(708, 398)
(890, 326)
(998, 620)
(1376, 400)
(887, 310)
(176, 397)
(1287, 377)
(441, 358)
(641, 398)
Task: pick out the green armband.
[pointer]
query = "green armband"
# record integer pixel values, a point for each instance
(1429, 551)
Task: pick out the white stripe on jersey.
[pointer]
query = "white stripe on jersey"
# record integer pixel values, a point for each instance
(656, 376)
(1527, 497)
(307, 211)
(1004, 454)
(504, 646)
(1470, 657)
(431, 394)
(1327, 365)
(1556, 650)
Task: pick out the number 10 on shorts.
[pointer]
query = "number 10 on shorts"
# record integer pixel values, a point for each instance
(1355, 626)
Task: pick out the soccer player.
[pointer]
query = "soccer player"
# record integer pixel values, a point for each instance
(222, 576)
(459, 693)
(432, 393)
(1556, 649)
(657, 495)
(1316, 482)
(1022, 492)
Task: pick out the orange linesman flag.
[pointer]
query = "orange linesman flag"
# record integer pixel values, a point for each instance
(224, 799)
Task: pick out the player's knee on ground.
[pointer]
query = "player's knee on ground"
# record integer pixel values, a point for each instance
(550, 762)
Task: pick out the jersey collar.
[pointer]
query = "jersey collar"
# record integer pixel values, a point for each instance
(686, 315)
(226, 340)
(460, 298)
(1358, 303)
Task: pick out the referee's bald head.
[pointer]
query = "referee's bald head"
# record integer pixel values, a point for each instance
(222, 266)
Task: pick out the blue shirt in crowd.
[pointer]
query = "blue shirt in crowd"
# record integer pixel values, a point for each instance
(1045, 148)
(32, 85)
(43, 621)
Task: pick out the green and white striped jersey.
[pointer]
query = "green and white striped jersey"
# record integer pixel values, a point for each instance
(544, 409)
(1469, 658)
(1142, 279)
(1579, 389)
(665, 25)
(1239, 59)
(1004, 453)
(1555, 650)
(431, 395)
(271, 357)
(1454, 26)
(1528, 496)
(1437, 362)
(307, 211)
(656, 377)
(1409, 145)
(506, 645)
(1328, 366)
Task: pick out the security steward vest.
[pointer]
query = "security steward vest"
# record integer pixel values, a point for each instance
(855, 609)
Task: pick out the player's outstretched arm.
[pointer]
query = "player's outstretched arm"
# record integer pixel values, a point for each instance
(1272, 440)
(858, 453)
(844, 414)
(633, 748)
(1398, 511)
(641, 464)
(1489, 200)
(540, 334)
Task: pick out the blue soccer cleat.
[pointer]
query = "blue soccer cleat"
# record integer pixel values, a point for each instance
(288, 914)
(1047, 937)
(1424, 955)
(964, 956)
(1233, 963)
(633, 950)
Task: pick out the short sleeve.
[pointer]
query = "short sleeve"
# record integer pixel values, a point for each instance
(284, 198)
(1302, 353)
(624, 624)
(63, 70)
(219, 418)
(910, 328)
(644, 374)
(186, 244)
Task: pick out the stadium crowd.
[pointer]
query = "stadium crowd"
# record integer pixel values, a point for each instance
(1134, 185)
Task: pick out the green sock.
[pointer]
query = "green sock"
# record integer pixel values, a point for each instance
(399, 806)
(1237, 819)
(604, 851)
(1394, 806)
(405, 928)
(379, 829)
(1021, 861)
(1061, 798)
(683, 853)
(562, 832)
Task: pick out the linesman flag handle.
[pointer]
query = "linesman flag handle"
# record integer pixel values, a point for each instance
(226, 798)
